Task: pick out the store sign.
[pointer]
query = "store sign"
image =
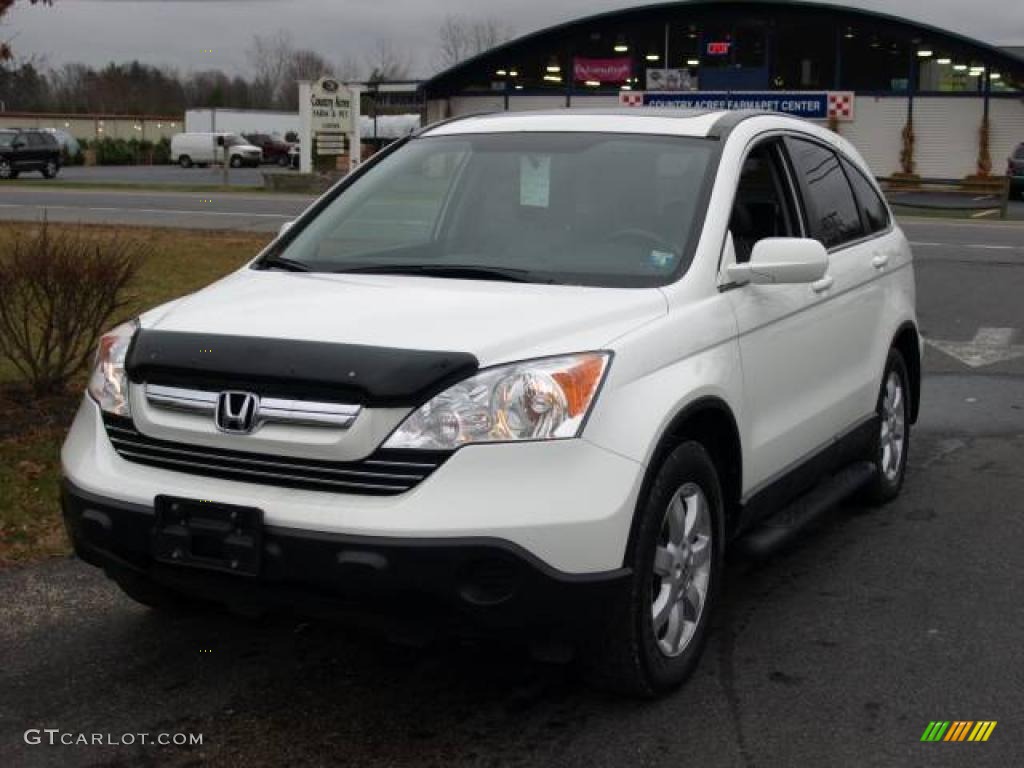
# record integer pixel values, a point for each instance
(814, 105)
(720, 48)
(602, 70)
(331, 104)
(671, 80)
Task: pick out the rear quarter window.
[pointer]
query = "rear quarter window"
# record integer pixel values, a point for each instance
(872, 206)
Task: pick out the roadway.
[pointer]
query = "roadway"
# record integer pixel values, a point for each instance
(249, 211)
(838, 652)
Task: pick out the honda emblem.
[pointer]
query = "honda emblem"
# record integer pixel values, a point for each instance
(236, 412)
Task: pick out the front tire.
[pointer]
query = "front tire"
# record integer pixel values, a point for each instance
(283, 161)
(236, 162)
(50, 170)
(6, 170)
(652, 640)
(890, 445)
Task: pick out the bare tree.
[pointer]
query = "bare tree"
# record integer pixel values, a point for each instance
(269, 57)
(5, 5)
(348, 69)
(461, 38)
(386, 63)
(302, 65)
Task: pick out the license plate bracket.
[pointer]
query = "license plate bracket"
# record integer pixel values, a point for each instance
(209, 535)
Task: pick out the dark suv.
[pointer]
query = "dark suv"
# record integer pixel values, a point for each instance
(1015, 170)
(28, 150)
(274, 150)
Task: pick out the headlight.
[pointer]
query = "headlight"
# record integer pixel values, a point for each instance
(543, 399)
(108, 383)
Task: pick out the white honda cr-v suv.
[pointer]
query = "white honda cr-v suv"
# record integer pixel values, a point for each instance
(524, 372)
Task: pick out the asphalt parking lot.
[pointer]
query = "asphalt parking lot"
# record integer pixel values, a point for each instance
(163, 205)
(838, 652)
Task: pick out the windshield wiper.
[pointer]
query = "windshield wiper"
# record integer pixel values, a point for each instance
(457, 271)
(281, 262)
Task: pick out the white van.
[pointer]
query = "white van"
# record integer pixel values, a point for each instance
(203, 148)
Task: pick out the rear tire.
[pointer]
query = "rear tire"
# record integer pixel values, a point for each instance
(890, 445)
(651, 640)
(185, 161)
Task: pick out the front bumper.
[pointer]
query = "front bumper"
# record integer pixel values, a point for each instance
(460, 582)
(568, 503)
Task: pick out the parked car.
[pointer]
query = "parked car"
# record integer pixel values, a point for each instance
(274, 150)
(1015, 170)
(28, 150)
(527, 372)
(203, 148)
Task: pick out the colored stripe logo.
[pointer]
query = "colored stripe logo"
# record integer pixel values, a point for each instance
(958, 730)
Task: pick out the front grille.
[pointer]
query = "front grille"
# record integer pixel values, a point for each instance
(385, 473)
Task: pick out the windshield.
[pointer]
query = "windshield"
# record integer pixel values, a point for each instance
(579, 208)
(234, 140)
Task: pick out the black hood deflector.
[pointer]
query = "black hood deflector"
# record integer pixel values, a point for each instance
(352, 373)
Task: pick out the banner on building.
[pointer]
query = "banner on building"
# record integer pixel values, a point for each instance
(814, 105)
(602, 70)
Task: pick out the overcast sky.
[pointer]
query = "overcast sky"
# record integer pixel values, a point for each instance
(178, 32)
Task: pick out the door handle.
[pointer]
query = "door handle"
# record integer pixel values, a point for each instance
(823, 285)
(880, 260)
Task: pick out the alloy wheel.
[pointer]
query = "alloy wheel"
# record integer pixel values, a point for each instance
(893, 426)
(682, 570)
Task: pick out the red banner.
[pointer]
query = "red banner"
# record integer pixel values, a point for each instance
(603, 70)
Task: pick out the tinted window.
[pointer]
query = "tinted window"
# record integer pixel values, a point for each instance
(872, 206)
(832, 213)
(6, 138)
(35, 140)
(1019, 154)
(582, 208)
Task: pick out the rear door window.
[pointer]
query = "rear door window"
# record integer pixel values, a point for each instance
(872, 206)
(832, 213)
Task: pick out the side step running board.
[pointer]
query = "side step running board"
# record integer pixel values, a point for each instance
(781, 528)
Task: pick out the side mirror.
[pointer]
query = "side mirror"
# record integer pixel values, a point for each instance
(285, 227)
(780, 260)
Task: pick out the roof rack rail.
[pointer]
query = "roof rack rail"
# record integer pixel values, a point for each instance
(726, 123)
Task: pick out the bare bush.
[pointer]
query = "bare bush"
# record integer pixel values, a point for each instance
(59, 289)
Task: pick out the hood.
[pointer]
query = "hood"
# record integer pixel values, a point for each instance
(495, 321)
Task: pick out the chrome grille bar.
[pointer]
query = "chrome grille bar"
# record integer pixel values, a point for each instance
(384, 473)
(269, 410)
